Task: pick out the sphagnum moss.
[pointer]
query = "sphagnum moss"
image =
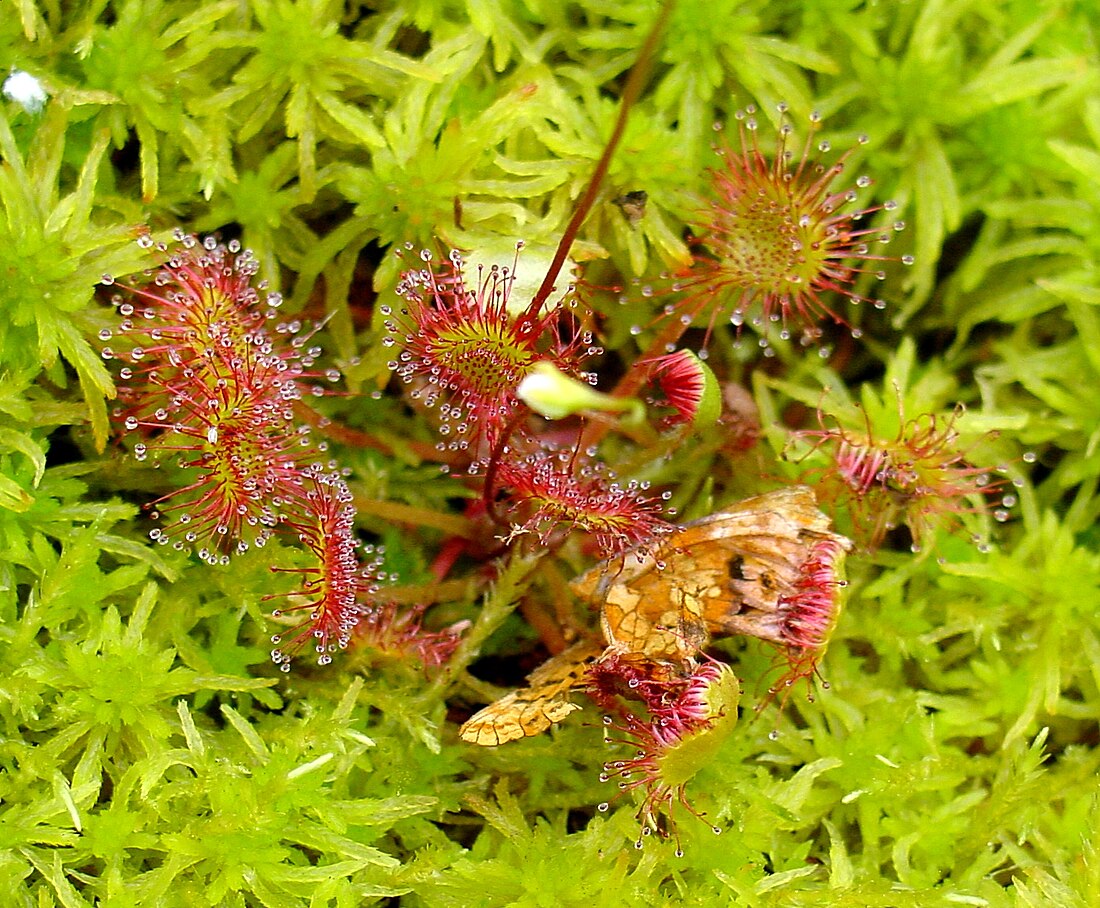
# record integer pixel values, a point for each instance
(152, 754)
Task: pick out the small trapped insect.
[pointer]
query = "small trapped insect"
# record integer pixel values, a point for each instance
(632, 205)
(767, 567)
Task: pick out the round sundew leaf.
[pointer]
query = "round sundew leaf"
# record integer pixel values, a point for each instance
(681, 762)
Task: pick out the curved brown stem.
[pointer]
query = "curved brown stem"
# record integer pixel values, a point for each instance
(633, 88)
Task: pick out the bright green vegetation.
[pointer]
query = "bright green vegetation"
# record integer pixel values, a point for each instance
(150, 753)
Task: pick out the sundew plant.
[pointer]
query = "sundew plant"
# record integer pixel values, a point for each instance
(530, 453)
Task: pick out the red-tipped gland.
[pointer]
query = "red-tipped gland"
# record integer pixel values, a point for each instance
(550, 492)
(688, 386)
(620, 673)
(797, 604)
(204, 379)
(807, 616)
(203, 295)
(203, 309)
(245, 477)
(688, 722)
(775, 240)
(400, 633)
(337, 590)
(921, 478)
(464, 348)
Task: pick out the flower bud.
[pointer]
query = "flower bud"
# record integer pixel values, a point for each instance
(553, 394)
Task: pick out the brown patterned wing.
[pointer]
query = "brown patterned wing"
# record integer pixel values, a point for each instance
(707, 576)
(765, 541)
(641, 611)
(533, 709)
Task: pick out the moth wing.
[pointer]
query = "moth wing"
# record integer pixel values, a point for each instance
(784, 514)
(513, 717)
(766, 539)
(657, 620)
(780, 515)
(661, 600)
(532, 709)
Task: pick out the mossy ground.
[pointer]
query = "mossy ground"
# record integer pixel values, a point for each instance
(151, 754)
